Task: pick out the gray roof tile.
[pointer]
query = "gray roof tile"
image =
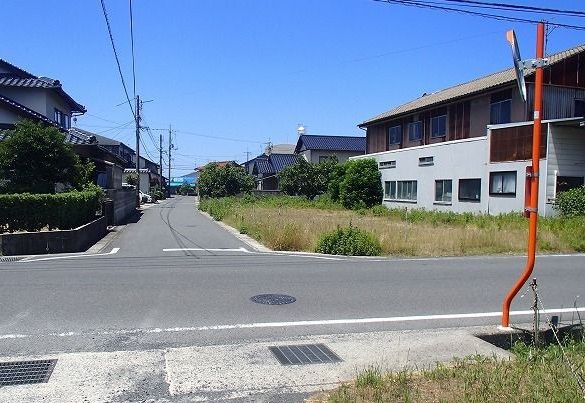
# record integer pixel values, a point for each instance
(466, 89)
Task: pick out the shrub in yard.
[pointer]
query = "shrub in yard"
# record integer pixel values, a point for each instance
(33, 212)
(361, 186)
(349, 241)
(216, 181)
(571, 203)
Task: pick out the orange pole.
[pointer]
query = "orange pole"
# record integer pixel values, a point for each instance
(533, 207)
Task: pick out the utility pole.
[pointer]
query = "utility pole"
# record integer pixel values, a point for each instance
(160, 150)
(532, 176)
(138, 150)
(170, 148)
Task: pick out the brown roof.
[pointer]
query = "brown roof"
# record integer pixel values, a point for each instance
(466, 89)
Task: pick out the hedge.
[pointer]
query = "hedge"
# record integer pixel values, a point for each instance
(33, 212)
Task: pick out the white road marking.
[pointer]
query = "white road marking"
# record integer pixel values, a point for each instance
(242, 249)
(263, 325)
(112, 252)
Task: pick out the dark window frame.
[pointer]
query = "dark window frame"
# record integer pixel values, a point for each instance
(467, 181)
(391, 135)
(503, 174)
(436, 126)
(417, 124)
(504, 112)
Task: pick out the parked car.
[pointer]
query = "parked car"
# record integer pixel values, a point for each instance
(145, 198)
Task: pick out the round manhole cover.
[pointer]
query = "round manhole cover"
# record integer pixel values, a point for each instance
(273, 299)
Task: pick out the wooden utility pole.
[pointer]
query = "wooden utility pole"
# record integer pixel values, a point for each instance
(138, 150)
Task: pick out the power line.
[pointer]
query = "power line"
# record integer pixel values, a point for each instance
(521, 8)
(443, 7)
(132, 42)
(218, 137)
(117, 59)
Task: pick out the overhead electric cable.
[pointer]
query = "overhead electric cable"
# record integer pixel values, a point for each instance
(520, 8)
(117, 59)
(437, 6)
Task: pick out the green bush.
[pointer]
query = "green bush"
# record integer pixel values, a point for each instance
(361, 186)
(571, 203)
(349, 241)
(216, 181)
(33, 212)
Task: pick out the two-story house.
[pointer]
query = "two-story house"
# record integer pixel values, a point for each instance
(26, 96)
(316, 148)
(467, 148)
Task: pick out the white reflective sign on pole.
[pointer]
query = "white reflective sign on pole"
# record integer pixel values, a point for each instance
(518, 65)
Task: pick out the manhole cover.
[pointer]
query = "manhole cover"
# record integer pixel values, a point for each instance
(304, 354)
(273, 299)
(25, 372)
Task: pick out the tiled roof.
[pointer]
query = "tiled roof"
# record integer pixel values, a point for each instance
(469, 88)
(273, 163)
(280, 161)
(76, 135)
(21, 109)
(331, 143)
(23, 79)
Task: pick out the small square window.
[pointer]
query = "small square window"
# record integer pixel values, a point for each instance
(415, 132)
(443, 190)
(503, 183)
(439, 126)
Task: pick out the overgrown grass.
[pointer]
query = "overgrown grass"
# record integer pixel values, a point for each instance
(295, 223)
(534, 375)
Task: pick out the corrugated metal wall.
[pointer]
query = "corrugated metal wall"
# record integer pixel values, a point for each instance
(558, 102)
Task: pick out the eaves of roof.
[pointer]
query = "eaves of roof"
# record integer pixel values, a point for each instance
(27, 112)
(465, 90)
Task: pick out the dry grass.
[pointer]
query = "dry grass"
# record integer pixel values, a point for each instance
(297, 229)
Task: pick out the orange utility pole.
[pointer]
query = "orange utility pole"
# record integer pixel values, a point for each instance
(532, 177)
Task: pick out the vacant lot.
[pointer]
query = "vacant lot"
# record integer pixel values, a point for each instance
(541, 375)
(296, 224)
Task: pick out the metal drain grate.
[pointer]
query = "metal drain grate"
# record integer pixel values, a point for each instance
(304, 354)
(9, 259)
(25, 372)
(273, 299)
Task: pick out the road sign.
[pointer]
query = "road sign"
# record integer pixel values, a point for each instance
(518, 64)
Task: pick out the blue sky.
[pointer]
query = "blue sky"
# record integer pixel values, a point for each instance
(252, 70)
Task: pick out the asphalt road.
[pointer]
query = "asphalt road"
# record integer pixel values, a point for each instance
(143, 297)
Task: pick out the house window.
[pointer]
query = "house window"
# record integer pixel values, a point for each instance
(390, 190)
(565, 183)
(443, 190)
(579, 108)
(501, 107)
(62, 119)
(469, 189)
(439, 126)
(415, 131)
(423, 161)
(395, 135)
(406, 190)
(503, 183)
(387, 164)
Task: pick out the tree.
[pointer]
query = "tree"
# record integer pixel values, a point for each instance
(361, 185)
(132, 179)
(216, 181)
(35, 157)
(300, 179)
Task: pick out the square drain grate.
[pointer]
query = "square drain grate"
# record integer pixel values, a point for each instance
(304, 354)
(25, 372)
